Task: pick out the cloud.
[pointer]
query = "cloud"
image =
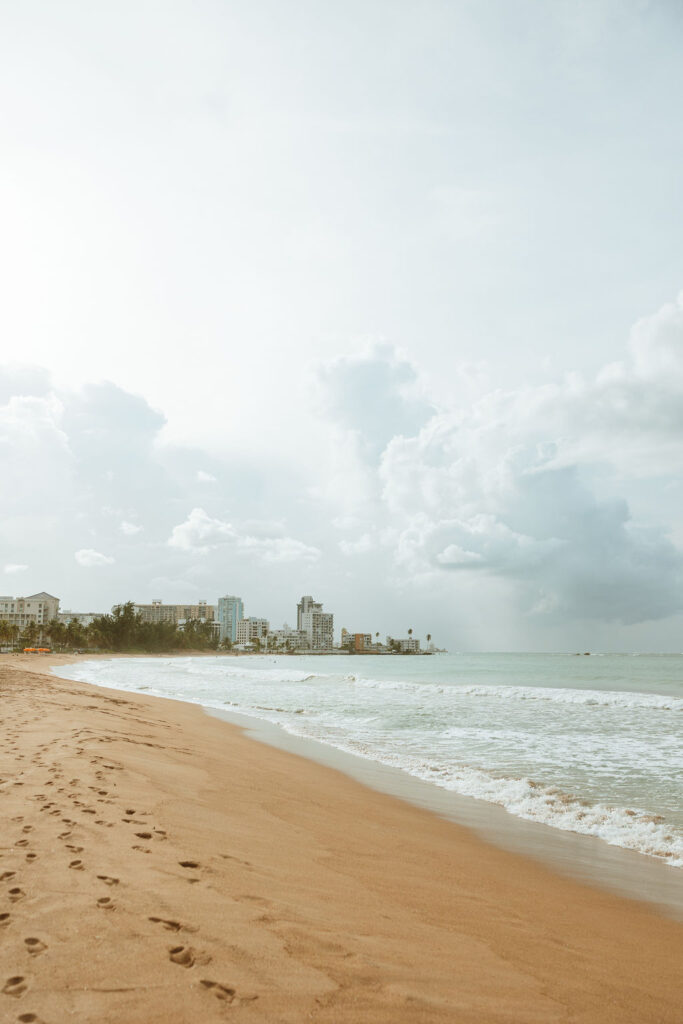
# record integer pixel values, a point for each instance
(14, 568)
(200, 533)
(360, 546)
(375, 395)
(205, 478)
(129, 529)
(279, 549)
(511, 487)
(88, 558)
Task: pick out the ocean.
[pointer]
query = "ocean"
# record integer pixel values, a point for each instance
(591, 745)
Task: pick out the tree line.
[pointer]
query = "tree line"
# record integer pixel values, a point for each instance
(122, 630)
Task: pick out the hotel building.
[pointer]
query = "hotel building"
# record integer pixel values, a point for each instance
(178, 614)
(22, 611)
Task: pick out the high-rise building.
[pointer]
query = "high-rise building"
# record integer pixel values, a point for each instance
(230, 611)
(317, 624)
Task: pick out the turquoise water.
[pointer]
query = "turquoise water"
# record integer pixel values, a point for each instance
(584, 744)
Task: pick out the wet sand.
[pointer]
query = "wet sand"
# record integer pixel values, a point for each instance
(158, 865)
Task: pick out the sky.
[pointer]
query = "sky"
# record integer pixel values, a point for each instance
(380, 302)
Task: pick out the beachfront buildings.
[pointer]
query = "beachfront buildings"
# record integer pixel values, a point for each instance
(315, 623)
(37, 609)
(251, 629)
(82, 618)
(178, 614)
(357, 643)
(405, 645)
(287, 639)
(228, 613)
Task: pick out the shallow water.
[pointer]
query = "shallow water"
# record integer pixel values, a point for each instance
(583, 744)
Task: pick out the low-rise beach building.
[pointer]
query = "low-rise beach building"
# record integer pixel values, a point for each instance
(82, 618)
(405, 645)
(287, 639)
(357, 643)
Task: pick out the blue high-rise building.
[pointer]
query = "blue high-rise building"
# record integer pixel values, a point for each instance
(230, 611)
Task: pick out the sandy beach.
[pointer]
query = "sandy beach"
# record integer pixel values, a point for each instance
(157, 865)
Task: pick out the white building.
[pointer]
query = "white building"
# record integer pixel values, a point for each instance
(407, 645)
(229, 612)
(252, 629)
(82, 618)
(287, 639)
(178, 614)
(38, 609)
(315, 623)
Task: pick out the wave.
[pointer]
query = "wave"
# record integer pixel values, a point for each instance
(630, 828)
(599, 698)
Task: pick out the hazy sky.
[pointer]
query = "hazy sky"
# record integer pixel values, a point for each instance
(375, 301)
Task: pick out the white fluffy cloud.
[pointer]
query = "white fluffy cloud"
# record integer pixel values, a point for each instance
(89, 558)
(12, 568)
(129, 529)
(201, 533)
(511, 486)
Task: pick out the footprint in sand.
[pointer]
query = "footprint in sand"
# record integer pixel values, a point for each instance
(189, 863)
(108, 880)
(144, 835)
(22, 842)
(106, 903)
(182, 955)
(226, 993)
(34, 946)
(6, 875)
(171, 926)
(30, 857)
(77, 865)
(4, 920)
(15, 986)
(29, 1018)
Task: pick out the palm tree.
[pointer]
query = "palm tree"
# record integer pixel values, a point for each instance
(410, 632)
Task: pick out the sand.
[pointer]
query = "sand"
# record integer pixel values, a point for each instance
(156, 865)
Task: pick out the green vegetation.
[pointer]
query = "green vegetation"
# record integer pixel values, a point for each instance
(123, 630)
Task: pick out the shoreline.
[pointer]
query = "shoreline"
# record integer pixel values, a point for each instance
(303, 893)
(586, 858)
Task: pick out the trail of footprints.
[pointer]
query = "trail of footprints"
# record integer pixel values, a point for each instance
(186, 957)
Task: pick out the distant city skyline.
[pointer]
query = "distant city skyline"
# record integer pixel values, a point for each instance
(378, 302)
